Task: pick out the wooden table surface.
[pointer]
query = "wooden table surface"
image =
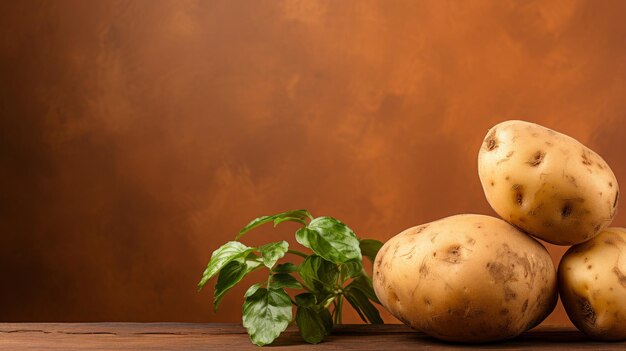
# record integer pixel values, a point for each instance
(193, 336)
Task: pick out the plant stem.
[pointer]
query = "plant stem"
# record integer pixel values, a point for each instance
(297, 253)
(339, 309)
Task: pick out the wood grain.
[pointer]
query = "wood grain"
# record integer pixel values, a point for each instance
(193, 336)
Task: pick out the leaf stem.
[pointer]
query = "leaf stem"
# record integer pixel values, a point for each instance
(297, 253)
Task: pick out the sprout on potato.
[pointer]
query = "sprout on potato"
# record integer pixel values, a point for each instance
(547, 183)
(466, 278)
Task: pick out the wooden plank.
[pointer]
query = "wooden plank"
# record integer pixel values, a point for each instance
(193, 336)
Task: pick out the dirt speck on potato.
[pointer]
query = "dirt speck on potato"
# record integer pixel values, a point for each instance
(518, 193)
(502, 160)
(586, 159)
(509, 294)
(382, 254)
(433, 237)
(409, 254)
(420, 229)
(572, 180)
(566, 210)
(504, 270)
(536, 159)
(501, 273)
(525, 306)
(424, 270)
(392, 295)
(453, 254)
(620, 276)
(535, 210)
(588, 313)
(491, 143)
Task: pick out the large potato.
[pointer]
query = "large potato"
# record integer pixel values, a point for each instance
(466, 278)
(592, 282)
(546, 183)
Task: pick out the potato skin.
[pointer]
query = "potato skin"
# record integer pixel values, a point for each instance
(466, 278)
(592, 283)
(547, 183)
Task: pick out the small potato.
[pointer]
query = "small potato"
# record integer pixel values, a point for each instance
(466, 278)
(546, 183)
(592, 283)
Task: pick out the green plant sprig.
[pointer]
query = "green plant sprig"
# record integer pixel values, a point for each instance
(332, 273)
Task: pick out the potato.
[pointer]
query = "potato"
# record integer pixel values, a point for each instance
(546, 183)
(466, 278)
(592, 283)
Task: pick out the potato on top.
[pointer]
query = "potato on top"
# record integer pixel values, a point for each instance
(546, 183)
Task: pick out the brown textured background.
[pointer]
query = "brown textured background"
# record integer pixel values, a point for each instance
(137, 137)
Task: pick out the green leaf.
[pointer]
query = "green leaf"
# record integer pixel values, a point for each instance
(314, 324)
(331, 239)
(232, 274)
(285, 268)
(313, 319)
(306, 300)
(273, 252)
(228, 252)
(317, 274)
(369, 248)
(317, 301)
(364, 284)
(351, 269)
(251, 290)
(299, 216)
(327, 319)
(266, 314)
(284, 280)
(363, 306)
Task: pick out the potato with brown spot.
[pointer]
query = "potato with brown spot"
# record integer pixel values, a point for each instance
(592, 283)
(574, 188)
(482, 279)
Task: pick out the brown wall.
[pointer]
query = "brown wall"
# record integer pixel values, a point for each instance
(137, 137)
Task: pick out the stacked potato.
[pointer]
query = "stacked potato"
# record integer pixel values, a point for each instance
(475, 278)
